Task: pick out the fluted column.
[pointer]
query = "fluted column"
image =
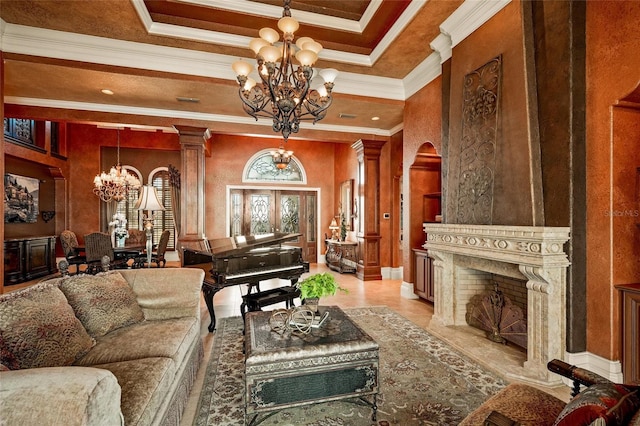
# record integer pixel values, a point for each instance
(368, 227)
(192, 195)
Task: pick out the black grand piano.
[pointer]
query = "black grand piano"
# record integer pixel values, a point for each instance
(245, 260)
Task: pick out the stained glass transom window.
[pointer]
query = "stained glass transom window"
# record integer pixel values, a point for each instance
(260, 168)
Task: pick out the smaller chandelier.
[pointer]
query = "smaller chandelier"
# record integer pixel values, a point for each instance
(281, 157)
(115, 185)
(287, 94)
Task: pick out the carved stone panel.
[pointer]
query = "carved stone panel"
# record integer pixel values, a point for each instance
(480, 115)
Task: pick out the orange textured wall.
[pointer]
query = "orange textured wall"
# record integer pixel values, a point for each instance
(422, 123)
(84, 143)
(229, 154)
(612, 156)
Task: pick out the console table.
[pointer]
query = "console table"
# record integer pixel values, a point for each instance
(342, 256)
(28, 258)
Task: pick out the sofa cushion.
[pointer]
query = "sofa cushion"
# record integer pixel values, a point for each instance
(103, 302)
(144, 384)
(38, 328)
(166, 338)
(603, 403)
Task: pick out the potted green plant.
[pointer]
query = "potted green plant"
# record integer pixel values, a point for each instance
(316, 286)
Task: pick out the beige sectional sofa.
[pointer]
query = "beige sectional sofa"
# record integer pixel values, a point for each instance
(121, 347)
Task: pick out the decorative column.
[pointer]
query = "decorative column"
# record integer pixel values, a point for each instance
(192, 195)
(368, 228)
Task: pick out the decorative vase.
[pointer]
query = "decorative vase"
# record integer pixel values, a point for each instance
(312, 303)
(120, 241)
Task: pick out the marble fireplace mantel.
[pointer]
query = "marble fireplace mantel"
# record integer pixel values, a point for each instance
(536, 252)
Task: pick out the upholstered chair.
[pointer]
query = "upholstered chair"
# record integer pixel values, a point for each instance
(70, 247)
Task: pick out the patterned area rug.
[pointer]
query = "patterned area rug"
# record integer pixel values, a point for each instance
(423, 381)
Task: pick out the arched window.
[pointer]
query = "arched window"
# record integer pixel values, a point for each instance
(159, 178)
(163, 220)
(126, 207)
(260, 168)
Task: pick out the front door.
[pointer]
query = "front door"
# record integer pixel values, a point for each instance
(256, 211)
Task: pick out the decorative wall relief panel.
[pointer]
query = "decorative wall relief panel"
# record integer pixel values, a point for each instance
(480, 114)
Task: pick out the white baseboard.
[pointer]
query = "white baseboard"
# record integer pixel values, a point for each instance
(389, 273)
(406, 291)
(611, 370)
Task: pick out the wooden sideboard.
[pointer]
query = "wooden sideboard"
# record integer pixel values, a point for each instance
(630, 314)
(342, 256)
(29, 258)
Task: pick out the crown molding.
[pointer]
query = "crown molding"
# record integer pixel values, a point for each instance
(3, 25)
(470, 16)
(423, 74)
(189, 115)
(442, 45)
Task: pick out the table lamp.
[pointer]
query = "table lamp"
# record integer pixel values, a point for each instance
(149, 201)
(334, 229)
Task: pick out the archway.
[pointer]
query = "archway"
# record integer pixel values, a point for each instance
(425, 192)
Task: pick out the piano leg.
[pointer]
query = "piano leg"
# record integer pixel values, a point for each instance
(208, 291)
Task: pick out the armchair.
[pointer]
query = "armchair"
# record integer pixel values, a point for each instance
(601, 403)
(69, 243)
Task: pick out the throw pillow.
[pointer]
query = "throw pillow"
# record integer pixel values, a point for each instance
(601, 404)
(102, 302)
(39, 329)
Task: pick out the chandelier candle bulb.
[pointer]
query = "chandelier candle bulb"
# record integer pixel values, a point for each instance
(306, 57)
(288, 25)
(302, 40)
(269, 35)
(242, 68)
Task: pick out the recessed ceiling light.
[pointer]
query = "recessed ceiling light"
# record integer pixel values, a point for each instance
(375, 118)
(107, 91)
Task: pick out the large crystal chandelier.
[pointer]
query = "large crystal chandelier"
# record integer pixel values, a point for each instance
(115, 185)
(287, 94)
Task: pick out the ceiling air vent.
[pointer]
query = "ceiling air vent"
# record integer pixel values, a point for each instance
(184, 99)
(344, 115)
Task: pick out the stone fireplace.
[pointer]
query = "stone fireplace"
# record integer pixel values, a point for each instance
(530, 253)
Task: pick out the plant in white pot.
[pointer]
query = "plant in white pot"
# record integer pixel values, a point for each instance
(316, 286)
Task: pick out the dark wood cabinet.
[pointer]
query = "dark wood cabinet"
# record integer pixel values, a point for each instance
(423, 282)
(342, 256)
(29, 258)
(630, 314)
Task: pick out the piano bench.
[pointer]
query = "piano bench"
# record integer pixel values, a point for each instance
(256, 301)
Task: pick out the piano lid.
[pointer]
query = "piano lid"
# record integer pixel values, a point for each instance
(222, 247)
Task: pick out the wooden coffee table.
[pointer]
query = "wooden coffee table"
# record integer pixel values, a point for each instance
(334, 362)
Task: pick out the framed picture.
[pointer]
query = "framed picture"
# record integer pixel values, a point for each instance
(20, 199)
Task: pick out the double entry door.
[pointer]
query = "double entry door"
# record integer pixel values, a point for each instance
(258, 211)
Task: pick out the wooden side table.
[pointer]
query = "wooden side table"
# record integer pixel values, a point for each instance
(630, 314)
(342, 256)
